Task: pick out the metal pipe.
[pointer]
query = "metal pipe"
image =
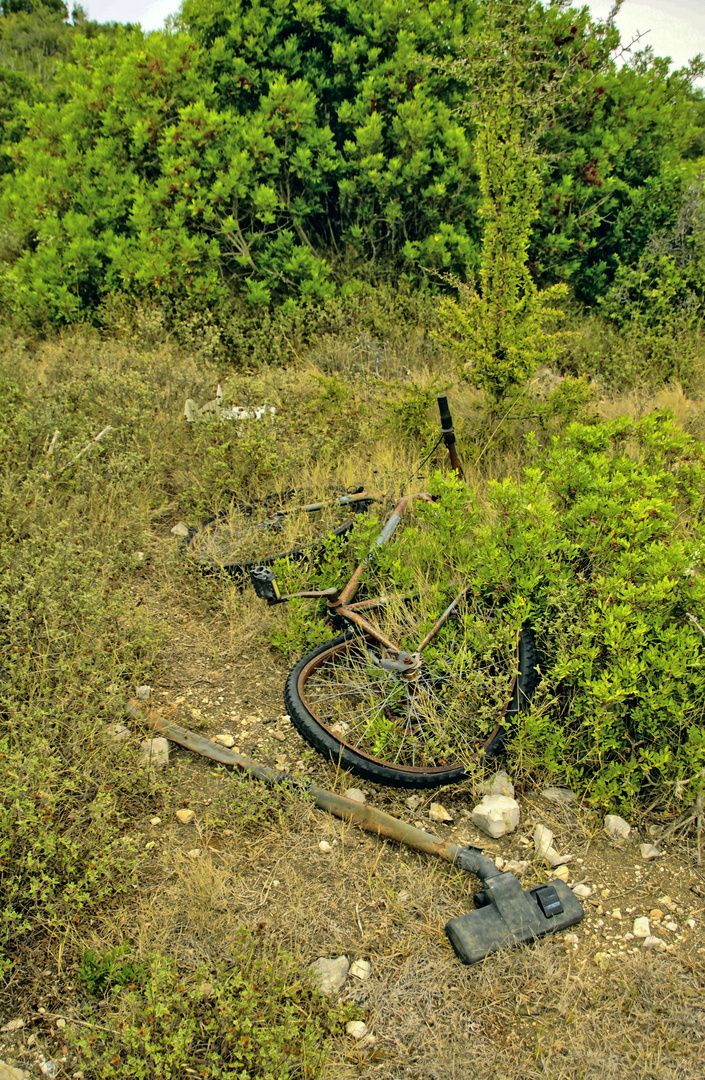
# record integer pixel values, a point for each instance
(365, 817)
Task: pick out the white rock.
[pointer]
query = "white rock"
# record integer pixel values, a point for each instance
(496, 815)
(499, 784)
(356, 795)
(652, 942)
(155, 753)
(225, 739)
(180, 529)
(8, 1073)
(616, 827)
(13, 1025)
(330, 973)
(360, 969)
(142, 693)
(543, 842)
(325, 847)
(413, 801)
(561, 872)
(571, 939)
(641, 927)
(118, 732)
(649, 851)
(185, 816)
(403, 897)
(558, 795)
(582, 891)
(439, 813)
(155, 821)
(194, 853)
(518, 867)
(356, 1028)
(671, 926)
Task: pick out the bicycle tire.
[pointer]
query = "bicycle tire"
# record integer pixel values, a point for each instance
(217, 544)
(315, 694)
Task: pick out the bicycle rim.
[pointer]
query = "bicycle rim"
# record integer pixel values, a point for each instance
(249, 535)
(421, 731)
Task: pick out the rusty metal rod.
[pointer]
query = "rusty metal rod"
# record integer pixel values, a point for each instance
(365, 817)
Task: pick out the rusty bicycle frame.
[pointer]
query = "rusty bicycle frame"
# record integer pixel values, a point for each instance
(406, 665)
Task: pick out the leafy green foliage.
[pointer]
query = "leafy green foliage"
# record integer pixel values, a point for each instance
(599, 547)
(101, 972)
(254, 1018)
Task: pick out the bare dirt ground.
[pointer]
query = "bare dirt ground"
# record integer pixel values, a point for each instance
(590, 1008)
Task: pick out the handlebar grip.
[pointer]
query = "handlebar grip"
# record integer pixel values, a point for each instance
(446, 419)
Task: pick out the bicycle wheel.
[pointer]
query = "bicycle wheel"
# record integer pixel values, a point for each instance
(257, 534)
(417, 732)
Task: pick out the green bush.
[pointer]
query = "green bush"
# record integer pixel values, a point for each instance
(257, 1019)
(601, 545)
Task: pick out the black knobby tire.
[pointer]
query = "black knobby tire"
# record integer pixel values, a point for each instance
(215, 546)
(344, 679)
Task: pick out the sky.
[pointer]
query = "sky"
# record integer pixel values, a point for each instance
(674, 28)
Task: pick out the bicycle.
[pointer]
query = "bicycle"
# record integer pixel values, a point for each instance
(282, 525)
(407, 717)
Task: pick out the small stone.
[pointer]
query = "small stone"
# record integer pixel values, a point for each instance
(180, 529)
(142, 693)
(13, 1025)
(330, 973)
(641, 927)
(155, 753)
(518, 867)
(649, 851)
(571, 939)
(496, 815)
(61, 1023)
(8, 1073)
(360, 969)
(194, 853)
(561, 872)
(155, 821)
(185, 816)
(413, 801)
(651, 942)
(499, 862)
(118, 732)
(582, 891)
(543, 841)
(367, 1043)
(559, 795)
(356, 1028)
(403, 897)
(325, 847)
(671, 926)
(499, 784)
(280, 736)
(616, 914)
(691, 924)
(356, 795)
(225, 739)
(439, 813)
(656, 914)
(616, 827)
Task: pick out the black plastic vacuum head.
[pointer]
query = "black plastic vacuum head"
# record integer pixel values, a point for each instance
(508, 915)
